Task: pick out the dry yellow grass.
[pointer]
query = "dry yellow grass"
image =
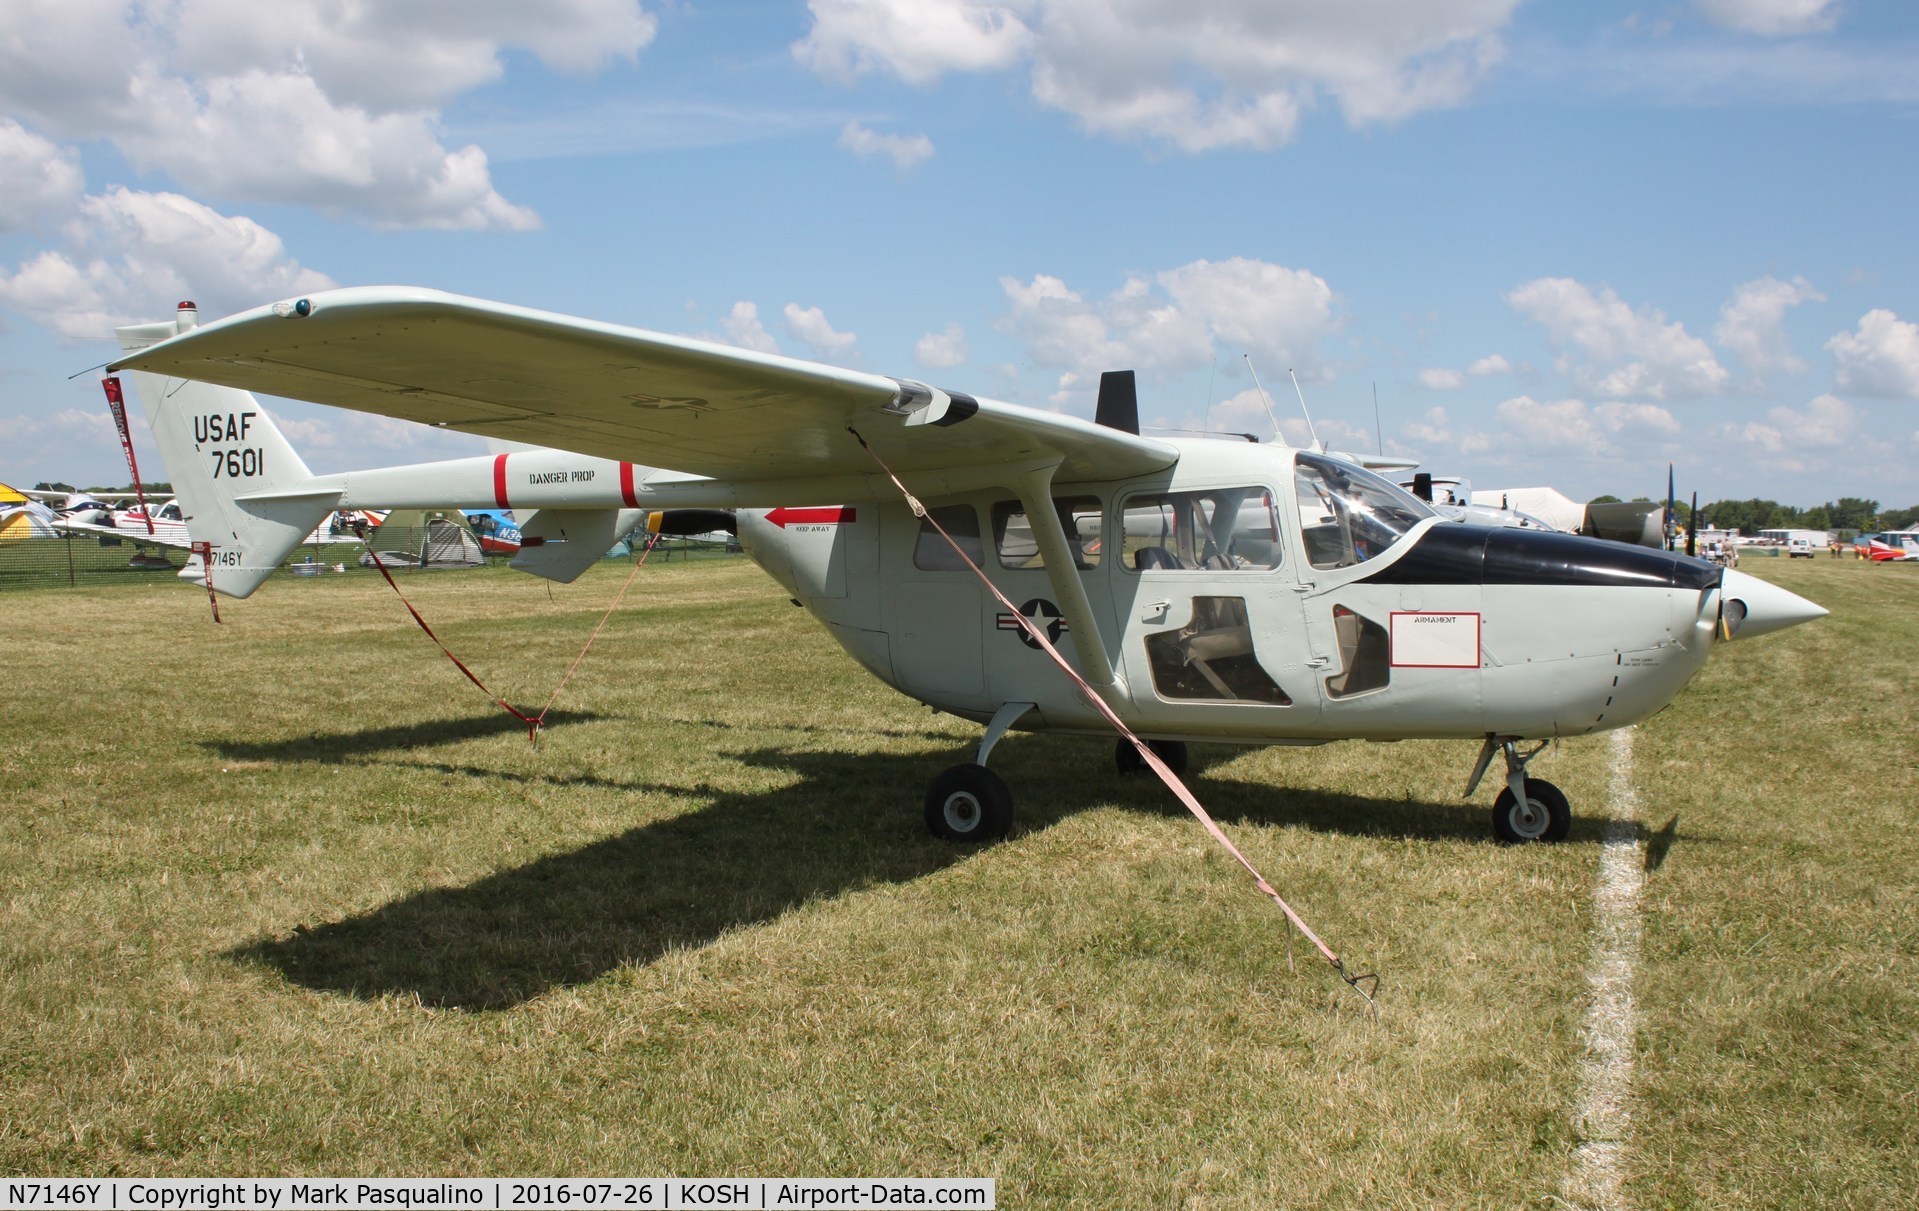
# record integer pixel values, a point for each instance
(289, 896)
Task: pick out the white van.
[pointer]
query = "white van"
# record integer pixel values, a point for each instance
(1795, 547)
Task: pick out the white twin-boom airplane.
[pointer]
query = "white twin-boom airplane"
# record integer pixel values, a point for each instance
(1205, 590)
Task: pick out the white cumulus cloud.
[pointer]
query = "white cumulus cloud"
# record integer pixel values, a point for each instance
(1444, 378)
(328, 103)
(1598, 431)
(1628, 352)
(809, 325)
(1827, 421)
(742, 327)
(1436, 435)
(1879, 358)
(131, 256)
(276, 137)
(1637, 420)
(1194, 76)
(1564, 425)
(903, 150)
(1752, 323)
(40, 179)
(1176, 320)
(1772, 18)
(1799, 439)
(942, 350)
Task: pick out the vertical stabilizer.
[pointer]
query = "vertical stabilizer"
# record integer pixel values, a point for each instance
(222, 451)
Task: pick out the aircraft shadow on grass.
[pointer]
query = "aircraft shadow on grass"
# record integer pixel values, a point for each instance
(330, 747)
(743, 859)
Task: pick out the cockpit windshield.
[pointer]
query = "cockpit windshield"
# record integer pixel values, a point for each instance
(1348, 515)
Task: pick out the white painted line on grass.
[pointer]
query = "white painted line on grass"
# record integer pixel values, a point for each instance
(1603, 1119)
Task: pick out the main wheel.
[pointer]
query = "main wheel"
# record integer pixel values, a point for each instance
(1545, 816)
(969, 803)
(1172, 752)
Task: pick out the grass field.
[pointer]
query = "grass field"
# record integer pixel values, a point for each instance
(288, 896)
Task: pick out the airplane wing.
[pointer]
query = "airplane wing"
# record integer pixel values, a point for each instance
(625, 393)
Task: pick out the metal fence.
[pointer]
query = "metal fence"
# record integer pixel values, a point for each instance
(92, 561)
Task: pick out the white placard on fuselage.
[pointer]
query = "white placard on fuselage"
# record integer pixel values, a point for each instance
(1430, 640)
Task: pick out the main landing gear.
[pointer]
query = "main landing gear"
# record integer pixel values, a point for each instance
(970, 803)
(1528, 809)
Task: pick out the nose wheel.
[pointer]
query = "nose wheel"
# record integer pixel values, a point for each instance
(1543, 815)
(1528, 809)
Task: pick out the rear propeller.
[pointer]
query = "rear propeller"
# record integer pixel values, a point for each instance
(678, 523)
(1672, 519)
(1118, 402)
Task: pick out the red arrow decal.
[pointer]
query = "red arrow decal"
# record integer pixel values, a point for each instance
(832, 515)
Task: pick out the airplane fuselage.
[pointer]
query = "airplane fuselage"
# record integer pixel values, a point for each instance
(1451, 632)
(1226, 600)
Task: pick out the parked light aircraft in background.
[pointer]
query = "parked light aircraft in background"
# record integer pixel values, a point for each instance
(1206, 590)
(1635, 521)
(166, 526)
(1889, 546)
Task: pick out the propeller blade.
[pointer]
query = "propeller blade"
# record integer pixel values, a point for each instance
(1669, 508)
(1692, 524)
(671, 523)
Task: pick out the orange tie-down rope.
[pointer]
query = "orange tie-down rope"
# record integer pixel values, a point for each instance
(1146, 753)
(533, 722)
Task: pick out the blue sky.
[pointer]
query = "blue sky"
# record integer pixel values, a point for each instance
(1565, 244)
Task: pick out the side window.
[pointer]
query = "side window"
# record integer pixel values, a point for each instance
(931, 553)
(1348, 515)
(1018, 547)
(1218, 530)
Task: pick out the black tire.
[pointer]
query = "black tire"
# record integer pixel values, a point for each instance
(1546, 817)
(969, 804)
(1129, 762)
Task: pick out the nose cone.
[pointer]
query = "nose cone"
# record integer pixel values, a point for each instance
(1756, 607)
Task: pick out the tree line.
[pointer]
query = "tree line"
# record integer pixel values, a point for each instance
(1848, 514)
(153, 489)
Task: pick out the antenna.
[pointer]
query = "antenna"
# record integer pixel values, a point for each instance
(1317, 444)
(1266, 400)
(1377, 430)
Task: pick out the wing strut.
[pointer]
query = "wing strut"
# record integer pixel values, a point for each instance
(1035, 488)
(1367, 984)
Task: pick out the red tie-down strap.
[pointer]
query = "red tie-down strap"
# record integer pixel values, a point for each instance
(205, 551)
(1146, 753)
(533, 722)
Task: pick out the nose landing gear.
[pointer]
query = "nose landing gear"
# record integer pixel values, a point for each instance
(1528, 809)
